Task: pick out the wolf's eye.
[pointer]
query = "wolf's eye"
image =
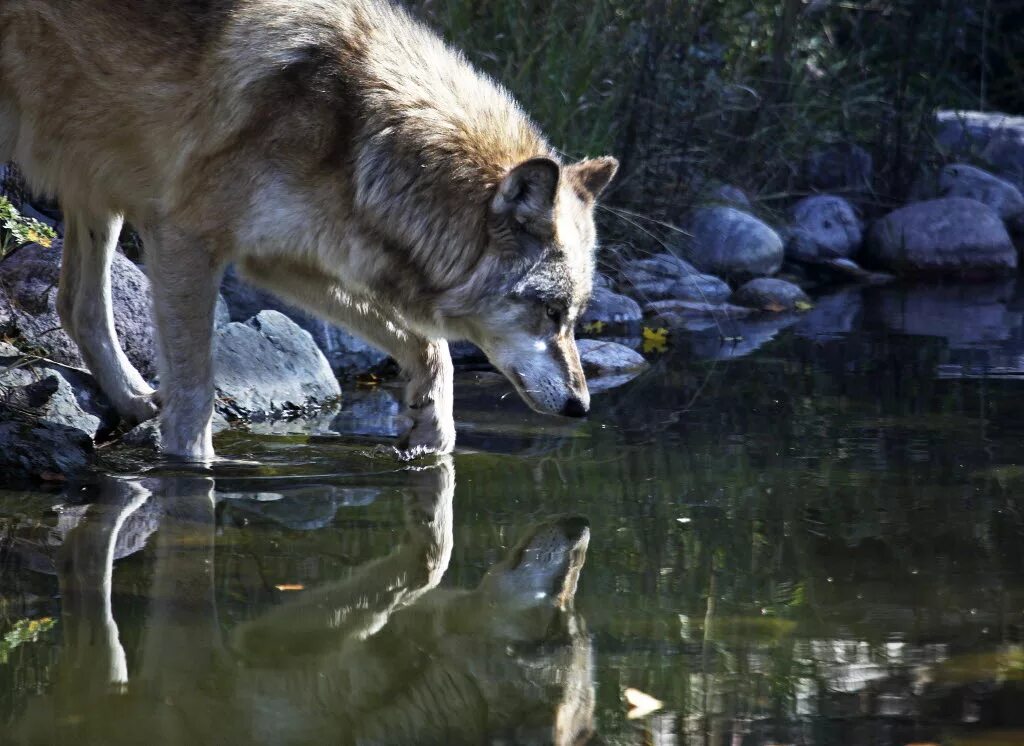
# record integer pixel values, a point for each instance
(554, 313)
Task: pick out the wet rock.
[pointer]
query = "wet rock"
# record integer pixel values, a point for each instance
(603, 358)
(824, 227)
(28, 292)
(667, 277)
(996, 138)
(345, 352)
(771, 294)
(962, 180)
(949, 236)
(610, 307)
(373, 412)
(43, 428)
(147, 434)
(221, 313)
(849, 269)
(738, 337)
(690, 315)
(269, 365)
(733, 244)
(841, 167)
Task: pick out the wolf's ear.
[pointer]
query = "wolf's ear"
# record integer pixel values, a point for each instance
(594, 174)
(527, 194)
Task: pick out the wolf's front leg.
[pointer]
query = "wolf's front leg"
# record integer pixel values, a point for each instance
(185, 276)
(429, 398)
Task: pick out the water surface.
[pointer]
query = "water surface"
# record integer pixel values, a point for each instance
(808, 535)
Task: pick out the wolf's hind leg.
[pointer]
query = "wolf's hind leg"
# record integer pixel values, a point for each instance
(185, 277)
(429, 395)
(86, 310)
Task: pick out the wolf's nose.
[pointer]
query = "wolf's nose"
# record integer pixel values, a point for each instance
(575, 526)
(574, 408)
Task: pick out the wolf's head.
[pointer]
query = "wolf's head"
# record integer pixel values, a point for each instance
(541, 265)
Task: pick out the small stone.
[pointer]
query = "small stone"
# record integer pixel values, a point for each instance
(823, 227)
(602, 358)
(770, 294)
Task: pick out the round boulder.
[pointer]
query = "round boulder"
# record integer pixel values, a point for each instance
(611, 308)
(824, 227)
(962, 180)
(947, 236)
(731, 243)
(770, 294)
(602, 358)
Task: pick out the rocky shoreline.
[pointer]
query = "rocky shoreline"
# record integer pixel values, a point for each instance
(963, 222)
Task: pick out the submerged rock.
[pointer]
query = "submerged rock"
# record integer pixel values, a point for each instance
(771, 294)
(667, 277)
(269, 365)
(676, 314)
(824, 227)
(610, 307)
(28, 306)
(948, 236)
(733, 244)
(345, 352)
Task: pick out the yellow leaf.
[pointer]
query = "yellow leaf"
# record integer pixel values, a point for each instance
(368, 380)
(655, 340)
(290, 586)
(803, 305)
(595, 327)
(641, 704)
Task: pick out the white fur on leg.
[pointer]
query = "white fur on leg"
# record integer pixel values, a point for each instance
(430, 402)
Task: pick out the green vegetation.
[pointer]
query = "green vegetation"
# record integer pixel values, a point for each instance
(16, 229)
(741, 90)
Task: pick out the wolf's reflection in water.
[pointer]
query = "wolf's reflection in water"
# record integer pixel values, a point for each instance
(383, 656)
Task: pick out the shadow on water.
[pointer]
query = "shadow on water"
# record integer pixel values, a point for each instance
(810, 535)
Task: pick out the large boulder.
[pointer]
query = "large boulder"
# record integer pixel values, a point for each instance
(667, 277)
(840, 167)
(28, 306)
(948, 236)
(44, 430)
(823, 227)
(963, 180)
(269, 366)
(733, 244)
(345, 352)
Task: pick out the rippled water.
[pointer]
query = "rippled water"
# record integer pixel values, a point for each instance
(808, 536)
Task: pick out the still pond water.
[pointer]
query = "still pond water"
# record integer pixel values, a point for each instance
(809, 536)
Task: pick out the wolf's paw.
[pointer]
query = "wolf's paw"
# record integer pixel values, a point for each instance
(429, 434)
(139, 408)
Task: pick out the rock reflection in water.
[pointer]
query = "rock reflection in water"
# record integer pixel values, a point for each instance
(382, 656)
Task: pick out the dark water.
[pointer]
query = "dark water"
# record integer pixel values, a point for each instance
(809, 536)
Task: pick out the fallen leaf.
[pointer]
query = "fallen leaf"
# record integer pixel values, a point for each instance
(655, 340)
(803, 305)
(642, 704)
(595, 327)
(290, 586)
(368, 380)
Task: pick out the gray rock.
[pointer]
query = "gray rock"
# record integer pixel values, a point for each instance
(693, 316)
(147, 434)
(269, 365)
(602, 358)
(28, 292)
(847, 268)
(996, 138)
(611, 308)
(733, 244)
(727, 194)
(345, 352)
(840, 167)
(602, 280)
(824, 227)
(948, 236)
(667, 277)
(221, 313)
(771, 294)
(962, 180)
(43, 429)
(375, 412)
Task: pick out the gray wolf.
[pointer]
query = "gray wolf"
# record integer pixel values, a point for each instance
(338, 152)
(382, 656)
